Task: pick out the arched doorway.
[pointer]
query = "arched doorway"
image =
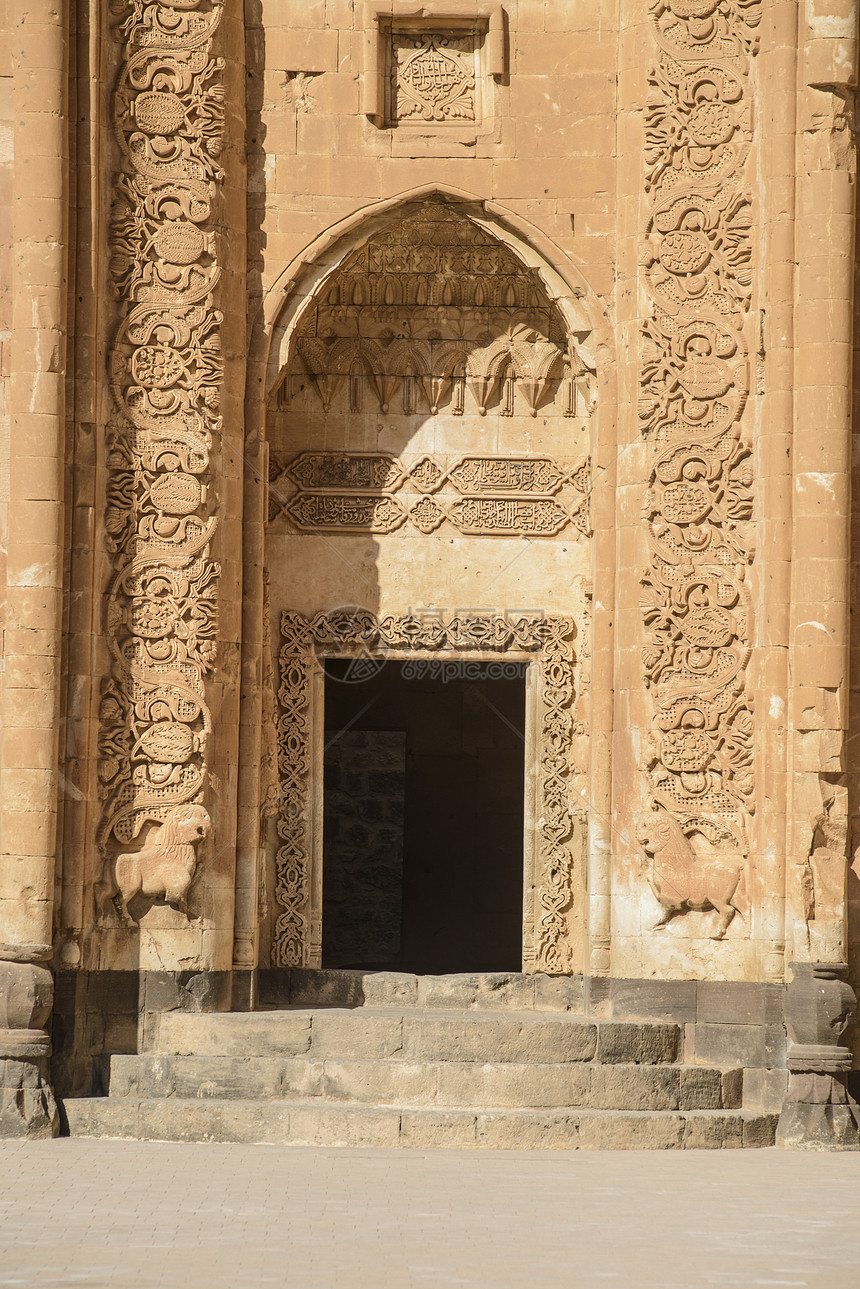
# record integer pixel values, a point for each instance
(430, 435)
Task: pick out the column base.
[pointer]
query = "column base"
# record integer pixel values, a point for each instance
(27, 1105)
(818, 1114)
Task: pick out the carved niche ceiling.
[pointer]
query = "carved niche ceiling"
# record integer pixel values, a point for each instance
(428, 308)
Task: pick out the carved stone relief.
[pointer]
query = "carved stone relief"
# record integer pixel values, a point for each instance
(430, 309)
(694, 385)
(379, 493)
(434, 76)
(358, 632)
(165, 370)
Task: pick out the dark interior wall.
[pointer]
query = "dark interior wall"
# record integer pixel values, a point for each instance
(460, 904)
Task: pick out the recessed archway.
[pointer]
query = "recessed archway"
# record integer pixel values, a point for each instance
(430, 426)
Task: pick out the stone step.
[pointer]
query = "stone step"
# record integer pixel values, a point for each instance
(417, 1034)
(395, 1081)
(349, 1124)
(484, 991)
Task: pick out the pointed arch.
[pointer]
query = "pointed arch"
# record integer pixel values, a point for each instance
(305, 278)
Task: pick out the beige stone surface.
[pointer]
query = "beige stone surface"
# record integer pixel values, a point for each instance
(225, 1212)
(490, 311)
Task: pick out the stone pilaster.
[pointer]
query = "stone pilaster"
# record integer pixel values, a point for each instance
(34, 603)
(821, 467)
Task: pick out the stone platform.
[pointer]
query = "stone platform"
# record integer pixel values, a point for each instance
(496, 1074)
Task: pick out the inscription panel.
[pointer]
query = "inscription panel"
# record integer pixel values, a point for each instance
(481, 496)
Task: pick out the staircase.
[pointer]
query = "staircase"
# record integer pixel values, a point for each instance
(479, 1068)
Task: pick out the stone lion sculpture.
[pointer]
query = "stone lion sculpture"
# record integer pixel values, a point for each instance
(163, 868)
(681, 880)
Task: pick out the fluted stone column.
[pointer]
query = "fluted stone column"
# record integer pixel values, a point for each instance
(31, 677)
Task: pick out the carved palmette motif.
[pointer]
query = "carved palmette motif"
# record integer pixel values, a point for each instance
(165, 379)
(694, 385)
(362, 635)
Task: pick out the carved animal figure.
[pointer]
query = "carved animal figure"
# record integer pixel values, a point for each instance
(681, 879)
(163, 868)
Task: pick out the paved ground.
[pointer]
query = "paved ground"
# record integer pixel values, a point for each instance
(152, 1216)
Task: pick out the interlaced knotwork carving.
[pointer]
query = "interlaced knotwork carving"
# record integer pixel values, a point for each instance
(165, 378)
(694, 385)
(373, 492)
(359, 633)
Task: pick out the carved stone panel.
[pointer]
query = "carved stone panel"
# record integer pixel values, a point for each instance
(165, 379)
(435, 313)
(477, 496)
(694, 383)
(433, 76)
(555, 863)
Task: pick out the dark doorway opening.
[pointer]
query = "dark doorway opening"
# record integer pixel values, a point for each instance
(423, 815)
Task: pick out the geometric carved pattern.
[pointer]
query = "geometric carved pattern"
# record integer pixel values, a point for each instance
(358, 632)
(694, 385)
(497, 496)
(165, 375)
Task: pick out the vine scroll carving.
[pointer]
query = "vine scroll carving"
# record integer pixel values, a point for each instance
(165, 378)
(698, 263)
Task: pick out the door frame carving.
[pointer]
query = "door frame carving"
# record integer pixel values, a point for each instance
(555, 843)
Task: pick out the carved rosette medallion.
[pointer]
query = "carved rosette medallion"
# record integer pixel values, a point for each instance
(360, 633)
(165, 379)
(694, 383)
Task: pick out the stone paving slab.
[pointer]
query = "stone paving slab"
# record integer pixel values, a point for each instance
(138, 1215)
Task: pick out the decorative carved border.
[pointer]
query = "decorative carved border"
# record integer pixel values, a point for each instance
(694, 380)
(358, 632)
(165, 378)
(487, 496)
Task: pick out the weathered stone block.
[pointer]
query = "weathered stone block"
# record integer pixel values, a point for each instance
(351, 1034)
(628, 1043)
(739, 1045)
(631, 1131)
(713, 1132)
(441, 1129)
(633, 1087)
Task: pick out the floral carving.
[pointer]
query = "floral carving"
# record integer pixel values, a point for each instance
(166, 371)
(694, 385)
(360, 633)
(433, 76)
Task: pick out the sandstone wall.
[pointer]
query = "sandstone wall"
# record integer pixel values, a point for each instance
(671, 170)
